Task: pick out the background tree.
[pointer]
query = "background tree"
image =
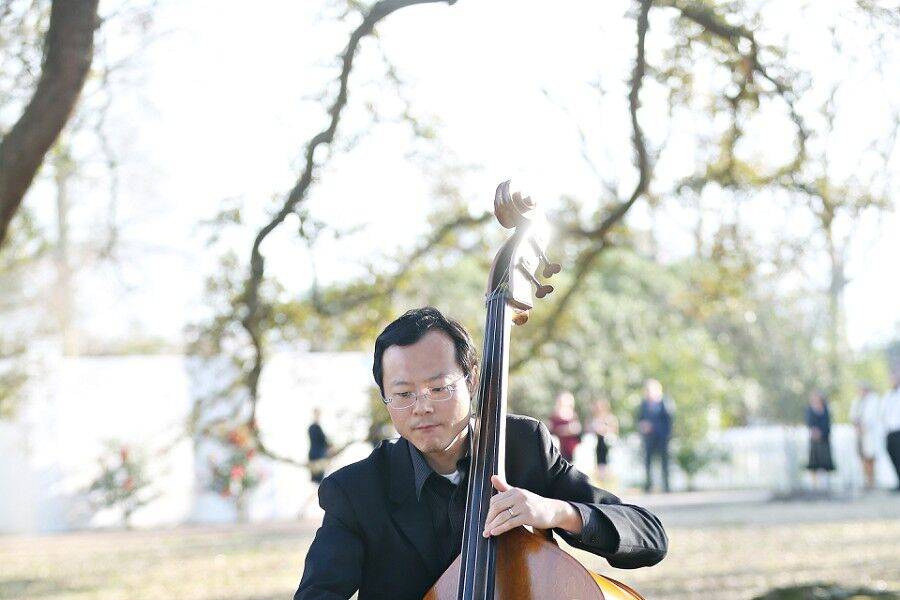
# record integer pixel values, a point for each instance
(43, 259)
(719, 328)
(68, 51)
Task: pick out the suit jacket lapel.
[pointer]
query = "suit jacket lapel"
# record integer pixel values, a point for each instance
(411, 516)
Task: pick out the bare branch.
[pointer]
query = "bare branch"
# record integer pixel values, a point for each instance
(582, 142)
(583, 265)
(637, 138)
(704, 16)
(433, 241)
(586, 259)
(255, 313)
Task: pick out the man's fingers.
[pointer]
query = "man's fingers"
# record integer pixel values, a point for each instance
(505, 500)
(507, 525)
(493, 511)
(496, 518)
(503, 497)
(499, 484)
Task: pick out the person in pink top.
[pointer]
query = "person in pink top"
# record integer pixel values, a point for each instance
(564, 424)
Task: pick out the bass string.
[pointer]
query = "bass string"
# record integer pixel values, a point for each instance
(493, 345)
(491, 439)
(475, 495)
(494, 448)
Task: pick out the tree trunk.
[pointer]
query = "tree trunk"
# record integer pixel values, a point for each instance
(68, 51)
(836, 327)
(64, 303)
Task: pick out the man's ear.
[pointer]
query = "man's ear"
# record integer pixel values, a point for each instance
(472, 382)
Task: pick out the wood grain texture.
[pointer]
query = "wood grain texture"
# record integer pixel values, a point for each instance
(531, 568)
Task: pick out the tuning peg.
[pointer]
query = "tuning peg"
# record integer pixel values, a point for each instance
(541, 289)
(550, 268)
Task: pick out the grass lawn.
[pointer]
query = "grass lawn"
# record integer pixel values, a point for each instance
(715, 553)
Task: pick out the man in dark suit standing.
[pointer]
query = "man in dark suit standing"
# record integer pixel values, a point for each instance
(654, 419)
(318, 448)
(393, 521)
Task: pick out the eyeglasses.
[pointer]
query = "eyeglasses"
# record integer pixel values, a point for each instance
(402, 400)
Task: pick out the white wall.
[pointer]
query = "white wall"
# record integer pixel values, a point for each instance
(293, 383)
(49, 453)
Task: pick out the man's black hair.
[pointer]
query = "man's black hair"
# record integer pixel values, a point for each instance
(409, 329)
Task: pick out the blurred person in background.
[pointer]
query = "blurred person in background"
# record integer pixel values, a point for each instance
(891, 416)
(317, 462)
(655, 417)
(818, 422)
(318, 448)
(865, 413)
(605, 426)
(565, 425)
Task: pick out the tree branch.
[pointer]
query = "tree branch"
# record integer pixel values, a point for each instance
(586, 259)
(429, 244)
(640, 144)
(706, 18)
(255, 313)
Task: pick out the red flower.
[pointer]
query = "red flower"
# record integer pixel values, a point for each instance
(239, 437)
(128, 485)
(237, 472)
(251, 453)
(123, 453)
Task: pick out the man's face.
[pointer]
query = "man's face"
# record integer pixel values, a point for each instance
(653, 391)
(430, 426)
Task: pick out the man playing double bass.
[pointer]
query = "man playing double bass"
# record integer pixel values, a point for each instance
(393, 521)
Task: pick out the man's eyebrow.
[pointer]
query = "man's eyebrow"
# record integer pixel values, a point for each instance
(440, 375)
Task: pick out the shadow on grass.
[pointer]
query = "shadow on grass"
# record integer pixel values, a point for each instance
(824, 591)
(37, 588)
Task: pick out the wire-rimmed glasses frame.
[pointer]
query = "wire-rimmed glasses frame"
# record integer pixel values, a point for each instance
(442, 393)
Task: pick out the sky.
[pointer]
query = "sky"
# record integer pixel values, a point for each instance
(226, 104)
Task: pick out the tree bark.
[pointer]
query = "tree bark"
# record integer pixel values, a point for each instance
(68, 51)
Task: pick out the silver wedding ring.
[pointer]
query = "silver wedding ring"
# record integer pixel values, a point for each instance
(512, 515)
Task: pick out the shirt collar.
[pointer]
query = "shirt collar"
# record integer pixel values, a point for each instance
(422, 470)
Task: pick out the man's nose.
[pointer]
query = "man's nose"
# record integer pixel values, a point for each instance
(422, 405)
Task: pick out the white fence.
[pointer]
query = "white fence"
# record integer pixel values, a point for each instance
(768, 457)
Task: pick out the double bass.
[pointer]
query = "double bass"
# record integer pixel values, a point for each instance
(519, 564)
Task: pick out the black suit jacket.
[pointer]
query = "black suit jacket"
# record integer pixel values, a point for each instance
(376, 537)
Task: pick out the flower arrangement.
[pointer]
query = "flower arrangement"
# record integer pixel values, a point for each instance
(123, 483)
(234, 475)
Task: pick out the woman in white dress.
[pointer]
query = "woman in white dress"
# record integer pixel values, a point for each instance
(866, 416)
